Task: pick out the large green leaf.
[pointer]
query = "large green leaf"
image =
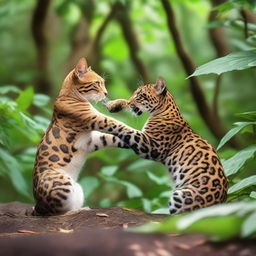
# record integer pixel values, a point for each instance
(251, 115)
(109, 170)
(233, 164)
(233, 132)
(14, 171)
(221, 221)
(25, 99)
(253, 194)
(234, 61)
(249, 226)
(131, 189)
(242, 184)
(41, 100)
(140, 165)
(89, 184)
(8, 88)
(163, 180)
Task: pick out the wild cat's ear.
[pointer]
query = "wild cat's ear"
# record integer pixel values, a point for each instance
(160, 86)
(81, 68)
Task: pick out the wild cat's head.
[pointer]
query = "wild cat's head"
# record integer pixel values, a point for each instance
(147, 98)
(83, 83)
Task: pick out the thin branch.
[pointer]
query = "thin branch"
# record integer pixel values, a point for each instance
(216, 96)
(104, 25)
(132, 41)
(243, 14)
(82, 44)
(218, 35)
(40, 39)
(214, 124)
(219, 41)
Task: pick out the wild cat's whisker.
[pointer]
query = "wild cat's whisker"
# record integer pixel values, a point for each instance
(140, 82)
(105, 76)
(105, 101)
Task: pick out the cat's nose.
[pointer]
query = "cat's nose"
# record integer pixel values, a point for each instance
(105, 93)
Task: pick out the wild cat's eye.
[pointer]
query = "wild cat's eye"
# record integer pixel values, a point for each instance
(138, 96)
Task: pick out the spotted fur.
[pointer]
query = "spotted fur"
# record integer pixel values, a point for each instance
(167, 137)
(66, 143)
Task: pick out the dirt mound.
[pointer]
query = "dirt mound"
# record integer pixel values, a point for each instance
(99, 232)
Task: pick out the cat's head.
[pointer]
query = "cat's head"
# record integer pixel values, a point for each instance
(148, 97)
(84, 83)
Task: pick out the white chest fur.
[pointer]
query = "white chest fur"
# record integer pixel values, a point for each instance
(79, 157)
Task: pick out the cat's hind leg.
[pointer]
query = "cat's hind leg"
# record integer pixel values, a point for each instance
(182, 200)
(57, 193)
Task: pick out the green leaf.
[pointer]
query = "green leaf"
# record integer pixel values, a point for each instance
(9, 88)
(25, 99)
(146, 204)
(14, 171)
(224, 7)
(131, 189)
(161, 211)
(109, 170)
(253, 194)
(221, 221)
(233, 131)
(249, 181)
(251, 115)
(106, 202)
(140, 165)
(164, 180)
(213, 211)
(234, 61)
(233, 164)
(89, 184)
(249, 226)
(166, 194)
(41, 100)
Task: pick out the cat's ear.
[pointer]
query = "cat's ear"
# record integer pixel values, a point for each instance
(81, 68)
(160, 86)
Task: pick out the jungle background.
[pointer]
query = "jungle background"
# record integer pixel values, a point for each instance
(130, 43)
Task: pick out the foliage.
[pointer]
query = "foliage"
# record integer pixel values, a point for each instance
(229, 220)
(115, 176)
(220, 222)
(19, 132)
(234, 61)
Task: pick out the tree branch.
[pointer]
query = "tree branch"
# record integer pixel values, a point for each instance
(246, 32)
(40, 40)
(218, 35)
(216, 96)
(219, 41)
(82, 44)
(214, 124)
(132, 41)
(104, 25)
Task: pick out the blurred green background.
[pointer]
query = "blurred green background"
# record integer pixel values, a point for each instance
(128, 43)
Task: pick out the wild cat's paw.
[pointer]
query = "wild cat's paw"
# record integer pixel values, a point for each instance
(116, 105)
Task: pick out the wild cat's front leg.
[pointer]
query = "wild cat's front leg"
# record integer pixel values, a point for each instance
(114, 106)
(101, 140)
(98, 122)
(134, 139)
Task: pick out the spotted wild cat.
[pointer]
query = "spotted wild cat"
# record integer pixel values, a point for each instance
(66, 143)
(167, 137)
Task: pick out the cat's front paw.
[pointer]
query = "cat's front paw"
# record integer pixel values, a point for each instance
(116, 105)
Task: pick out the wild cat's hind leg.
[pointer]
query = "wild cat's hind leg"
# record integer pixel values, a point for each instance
(57, 193)
(182, 200)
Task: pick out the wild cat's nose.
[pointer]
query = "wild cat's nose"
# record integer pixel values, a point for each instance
(105, 93)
